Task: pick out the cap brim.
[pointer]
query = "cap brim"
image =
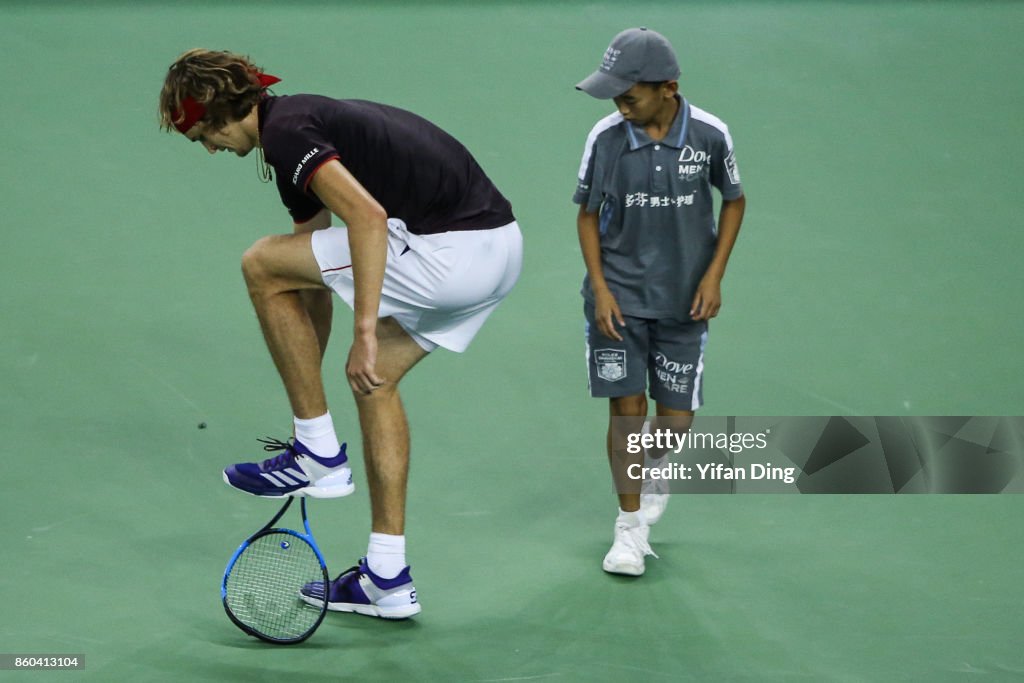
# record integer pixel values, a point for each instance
(604, 86)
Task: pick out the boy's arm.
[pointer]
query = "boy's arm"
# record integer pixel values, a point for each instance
(708, 299)
(606, 308)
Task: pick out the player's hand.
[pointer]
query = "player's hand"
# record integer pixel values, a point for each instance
(708, 299)
(607, 314)
(362, 364)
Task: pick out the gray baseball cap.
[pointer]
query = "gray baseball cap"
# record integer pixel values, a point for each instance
(636, 55)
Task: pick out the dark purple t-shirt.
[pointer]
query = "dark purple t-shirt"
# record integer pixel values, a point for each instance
(416, 171)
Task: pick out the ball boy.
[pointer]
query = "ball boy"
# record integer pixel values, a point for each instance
(655, 256)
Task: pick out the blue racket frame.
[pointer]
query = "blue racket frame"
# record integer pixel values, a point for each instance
(269, 528)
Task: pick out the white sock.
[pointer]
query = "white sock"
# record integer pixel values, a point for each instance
(631, 519)
(318, 435)
(386, 555)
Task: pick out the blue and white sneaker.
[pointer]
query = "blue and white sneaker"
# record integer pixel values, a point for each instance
(361, 591)
(295, 472)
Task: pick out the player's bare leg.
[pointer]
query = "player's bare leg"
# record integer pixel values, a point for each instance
(277, 269)
(381, 585)
(281, 273)
(386, 429)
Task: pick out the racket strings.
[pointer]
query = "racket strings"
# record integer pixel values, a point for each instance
(263, 586)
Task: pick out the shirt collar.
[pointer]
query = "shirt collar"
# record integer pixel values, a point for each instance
(676, 133)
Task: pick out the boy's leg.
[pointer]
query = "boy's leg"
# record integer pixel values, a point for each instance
(617, 370)
(676, 376)
(630, 545)
(630, 412)
(654, 494)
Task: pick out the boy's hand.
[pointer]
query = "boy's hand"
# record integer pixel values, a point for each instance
(607, 313)
(708, 299)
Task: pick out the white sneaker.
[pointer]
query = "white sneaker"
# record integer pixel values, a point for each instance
(652, 506)
(628, 551)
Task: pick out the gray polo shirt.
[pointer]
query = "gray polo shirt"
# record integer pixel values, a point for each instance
(658, 229)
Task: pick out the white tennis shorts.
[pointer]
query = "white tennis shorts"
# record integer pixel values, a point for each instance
(439, 288)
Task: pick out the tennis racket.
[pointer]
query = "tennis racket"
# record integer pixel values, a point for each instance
(261, 584)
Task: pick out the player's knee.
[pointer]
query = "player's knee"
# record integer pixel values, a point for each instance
(254, 264)
(629, 406)
(384, 394)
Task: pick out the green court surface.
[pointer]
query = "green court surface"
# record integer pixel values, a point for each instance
(877, 273)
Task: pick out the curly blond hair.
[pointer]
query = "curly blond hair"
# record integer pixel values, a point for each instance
(225, 83)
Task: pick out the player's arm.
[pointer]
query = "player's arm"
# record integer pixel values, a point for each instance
(318, 302)
(319, 221)
(708, 299)
(606, 308)
(367, 236)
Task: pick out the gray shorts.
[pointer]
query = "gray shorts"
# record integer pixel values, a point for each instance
(667, 353)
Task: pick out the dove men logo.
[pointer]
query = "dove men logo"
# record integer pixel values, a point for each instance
(692, 163)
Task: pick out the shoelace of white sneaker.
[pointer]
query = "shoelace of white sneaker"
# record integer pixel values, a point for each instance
(633, 534)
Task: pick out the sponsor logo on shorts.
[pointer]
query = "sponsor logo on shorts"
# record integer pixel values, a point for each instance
(665, 363)
(611, 364)
(673, 375)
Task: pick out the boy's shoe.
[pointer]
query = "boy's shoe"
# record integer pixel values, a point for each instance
(628, 551)
(295, 472)
(361, 591)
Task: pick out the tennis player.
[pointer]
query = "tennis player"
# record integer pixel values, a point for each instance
(429, 249)
(655, 257)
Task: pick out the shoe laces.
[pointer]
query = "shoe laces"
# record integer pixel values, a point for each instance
(355, 571)
(271, 444)
(635, 538)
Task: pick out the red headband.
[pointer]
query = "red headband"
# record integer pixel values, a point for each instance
(193, 111)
